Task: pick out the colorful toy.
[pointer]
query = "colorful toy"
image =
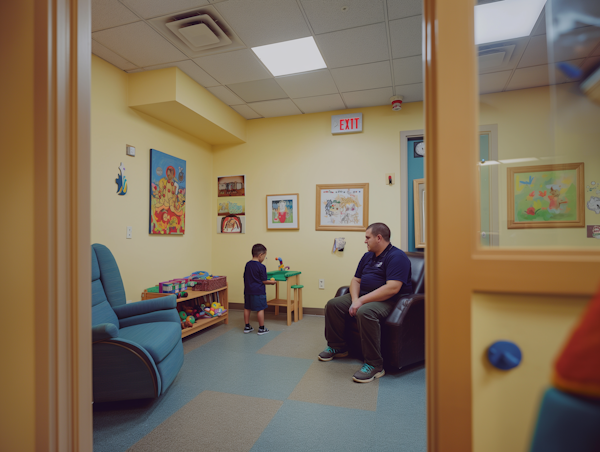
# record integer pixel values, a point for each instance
(281, 266)
(272, 279)
(191, 319)
(183, 315)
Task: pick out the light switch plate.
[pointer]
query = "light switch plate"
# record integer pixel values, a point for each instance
(130, 150)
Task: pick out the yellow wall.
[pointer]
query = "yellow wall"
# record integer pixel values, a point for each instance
(144, 260)
(506, 403)
(528, 127)
(291, 155)
(17, 391)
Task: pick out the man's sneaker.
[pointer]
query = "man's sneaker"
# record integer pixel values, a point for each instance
(368, 373)
(248, 329)
(329, 353)
(262, 330)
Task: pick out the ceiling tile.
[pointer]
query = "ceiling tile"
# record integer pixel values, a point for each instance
(364, 76)
(540, 26)
(368, 98)
(408, 70)
(192, 70)
(110, 56)
(398, 9)
(315, 83)
(531, 77)
(493, 82)
(411, 93)
(406, 36)
(590, 64)
(110, 13)
(360, 45)
(334, 15)
(266, 21)
(578, 43)
(259, 90)
(226, 95)
(234, 67)
(317, 104)
(139, 44)
(272, 108)
(155, 8)
(246, 111)
(536, 52)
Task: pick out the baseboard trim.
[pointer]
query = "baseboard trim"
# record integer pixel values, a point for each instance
(282, 309)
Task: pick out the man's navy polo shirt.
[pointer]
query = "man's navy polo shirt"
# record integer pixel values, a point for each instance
(391, 265)
(254, 275)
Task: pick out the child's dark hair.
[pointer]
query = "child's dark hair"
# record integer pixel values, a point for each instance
(258, 249)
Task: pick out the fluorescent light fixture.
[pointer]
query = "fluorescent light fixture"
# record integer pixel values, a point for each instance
(529, 159)
(507, 19)
(489, 162)
(291, 57)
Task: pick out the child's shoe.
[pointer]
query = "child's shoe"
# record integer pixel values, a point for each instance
(248, 329)
(262, 330)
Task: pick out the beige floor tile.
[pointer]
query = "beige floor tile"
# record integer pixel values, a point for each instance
(331, 383)
(213, 421)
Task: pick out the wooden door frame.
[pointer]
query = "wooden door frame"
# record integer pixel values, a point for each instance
(62, 86)
(455, 264)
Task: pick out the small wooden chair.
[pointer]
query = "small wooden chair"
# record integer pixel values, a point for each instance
(298, 300)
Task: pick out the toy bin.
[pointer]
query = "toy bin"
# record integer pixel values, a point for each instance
(207, 285)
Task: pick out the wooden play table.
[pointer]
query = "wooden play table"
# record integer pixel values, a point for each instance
(291, 304)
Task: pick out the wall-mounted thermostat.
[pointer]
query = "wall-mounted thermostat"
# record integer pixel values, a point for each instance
(130, 150)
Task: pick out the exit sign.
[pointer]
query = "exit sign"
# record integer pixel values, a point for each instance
(346, 123)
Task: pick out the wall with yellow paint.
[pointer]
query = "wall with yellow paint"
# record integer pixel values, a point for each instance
(292, 155)
(144, 260)
(506, 403)
(17, 391)
(550, 125)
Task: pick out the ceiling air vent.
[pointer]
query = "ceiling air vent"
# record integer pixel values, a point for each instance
(498, 56)
(198, 32)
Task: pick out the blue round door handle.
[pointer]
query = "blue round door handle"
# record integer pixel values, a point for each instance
(504, 355)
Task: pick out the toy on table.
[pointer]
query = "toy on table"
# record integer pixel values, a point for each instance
(272, 279)
(281, 267)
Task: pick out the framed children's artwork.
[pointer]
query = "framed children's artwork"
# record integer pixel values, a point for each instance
(546, 196)
(231, 224)
(419, 214)
(283, 211)
(342, 207)
(168, 178)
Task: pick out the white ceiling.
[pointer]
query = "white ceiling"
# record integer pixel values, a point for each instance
(372, 49)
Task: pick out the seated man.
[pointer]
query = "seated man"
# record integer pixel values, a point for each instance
(382, 277)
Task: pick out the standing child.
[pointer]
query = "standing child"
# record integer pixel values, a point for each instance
(255, 292)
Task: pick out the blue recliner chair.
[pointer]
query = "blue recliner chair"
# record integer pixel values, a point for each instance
(137, 348)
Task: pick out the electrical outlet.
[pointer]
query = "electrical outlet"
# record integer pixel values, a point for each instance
(321, 284)
(128, 232)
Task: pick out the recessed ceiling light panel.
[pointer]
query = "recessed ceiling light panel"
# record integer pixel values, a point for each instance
(291, 57)
(506, 19)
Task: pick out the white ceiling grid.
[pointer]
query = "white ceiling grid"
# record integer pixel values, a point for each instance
(371, 52)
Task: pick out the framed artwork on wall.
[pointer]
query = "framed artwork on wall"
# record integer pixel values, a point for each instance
(283, 211)
(342, 207)
(419, 206)
(231, 204)
(546, 196)
(168, 179)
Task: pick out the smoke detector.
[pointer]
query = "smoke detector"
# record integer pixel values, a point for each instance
(198, 32)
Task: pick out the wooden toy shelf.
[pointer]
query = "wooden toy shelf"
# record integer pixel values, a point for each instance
(193, 294)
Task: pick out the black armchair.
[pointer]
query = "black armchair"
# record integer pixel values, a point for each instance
(403, 332)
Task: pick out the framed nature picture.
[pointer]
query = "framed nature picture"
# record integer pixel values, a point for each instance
(283, 212)
(168, 180)
(342, 207)
(546, 196)
(419, 206)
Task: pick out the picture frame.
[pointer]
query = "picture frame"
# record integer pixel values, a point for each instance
(283, 212)
(342, 207)
(419, 212)
(168, 181)
(546, 196)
